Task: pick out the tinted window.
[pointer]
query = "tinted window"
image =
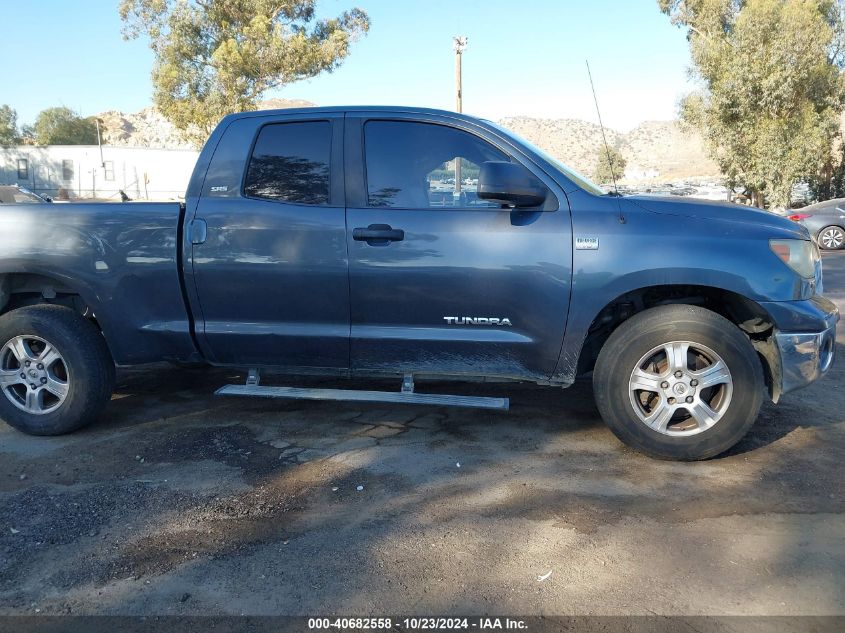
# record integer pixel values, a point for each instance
(67, 170)
(23, 169)
(423, 165)
(290, 163)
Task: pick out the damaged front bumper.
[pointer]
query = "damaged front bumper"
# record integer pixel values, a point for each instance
(803, 346)
(804, 357)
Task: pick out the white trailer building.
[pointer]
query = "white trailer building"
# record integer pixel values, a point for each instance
(86, 172)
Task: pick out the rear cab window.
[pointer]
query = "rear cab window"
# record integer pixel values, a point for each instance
(290, 162)
(284, 158)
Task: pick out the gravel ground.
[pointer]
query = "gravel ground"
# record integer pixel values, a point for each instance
(180, 503)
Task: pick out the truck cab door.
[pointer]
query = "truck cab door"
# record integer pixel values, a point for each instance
(442, 282)
(268, 263)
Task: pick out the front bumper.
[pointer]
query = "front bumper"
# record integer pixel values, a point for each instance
(804, 356)
(804, 342)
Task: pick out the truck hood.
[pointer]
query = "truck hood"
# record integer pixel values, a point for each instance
(720, 211)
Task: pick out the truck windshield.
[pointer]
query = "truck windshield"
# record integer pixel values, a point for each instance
(580, 180)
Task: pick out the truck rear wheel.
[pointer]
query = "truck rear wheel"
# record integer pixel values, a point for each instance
(678, 382)
(56, 373)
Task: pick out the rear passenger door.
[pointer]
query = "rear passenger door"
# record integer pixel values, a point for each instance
(271, 274)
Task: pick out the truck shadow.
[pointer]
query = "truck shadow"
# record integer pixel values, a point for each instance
(163, 394)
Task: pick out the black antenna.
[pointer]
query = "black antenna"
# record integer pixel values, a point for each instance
(604, 138)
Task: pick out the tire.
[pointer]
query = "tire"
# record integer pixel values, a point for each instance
(79, 366)
(831, 238)
(637, 416)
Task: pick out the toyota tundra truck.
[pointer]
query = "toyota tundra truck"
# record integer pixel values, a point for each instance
(416, 244)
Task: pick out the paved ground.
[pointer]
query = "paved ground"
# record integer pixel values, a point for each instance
(177, 503)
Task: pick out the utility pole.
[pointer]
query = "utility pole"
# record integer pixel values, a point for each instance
(97, 122)
(460, 45)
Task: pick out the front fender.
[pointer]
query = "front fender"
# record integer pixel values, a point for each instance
(649, 250)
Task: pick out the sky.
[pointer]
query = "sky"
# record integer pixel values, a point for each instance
(525, 58)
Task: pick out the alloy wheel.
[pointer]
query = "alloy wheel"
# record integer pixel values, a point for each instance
(680, 388)
(33, 375)
(832, 238)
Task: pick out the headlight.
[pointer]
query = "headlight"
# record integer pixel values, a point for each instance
(800, 255)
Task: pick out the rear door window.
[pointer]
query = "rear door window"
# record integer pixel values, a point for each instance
(290, 163)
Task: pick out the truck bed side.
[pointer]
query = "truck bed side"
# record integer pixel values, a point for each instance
(122, 260)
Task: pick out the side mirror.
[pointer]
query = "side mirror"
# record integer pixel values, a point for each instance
(511, 184)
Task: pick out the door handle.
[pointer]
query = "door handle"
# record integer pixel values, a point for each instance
(378, 234)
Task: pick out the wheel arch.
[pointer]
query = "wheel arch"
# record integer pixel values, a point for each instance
(748, 315)
(21, 287)
(24, 288)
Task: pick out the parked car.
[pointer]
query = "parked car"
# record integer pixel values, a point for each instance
(825, 221)
(310, 242)
(15, 194)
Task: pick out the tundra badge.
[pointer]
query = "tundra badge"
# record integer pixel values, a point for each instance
(476, 321)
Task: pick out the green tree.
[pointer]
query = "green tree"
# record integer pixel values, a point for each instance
(215, 57)
(8, 126)
(830, 181)
(28, 135)
(772, 88)
(603, 172)
(63, 126)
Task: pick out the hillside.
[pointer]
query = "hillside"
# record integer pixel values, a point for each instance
(148, 128)
(655, 150)
(663, 146)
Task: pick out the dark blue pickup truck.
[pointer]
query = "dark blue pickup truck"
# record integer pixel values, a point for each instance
(418, 244)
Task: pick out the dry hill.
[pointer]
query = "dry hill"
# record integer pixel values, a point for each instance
(148, 128)
(655, 150)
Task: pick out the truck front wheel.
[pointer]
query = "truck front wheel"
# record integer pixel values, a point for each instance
(56, 373)
(678, 382)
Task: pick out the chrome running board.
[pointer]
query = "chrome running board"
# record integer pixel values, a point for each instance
(254, 389)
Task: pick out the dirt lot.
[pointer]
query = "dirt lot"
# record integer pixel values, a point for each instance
(179, 503)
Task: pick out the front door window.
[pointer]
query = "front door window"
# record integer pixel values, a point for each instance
(423, 165)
